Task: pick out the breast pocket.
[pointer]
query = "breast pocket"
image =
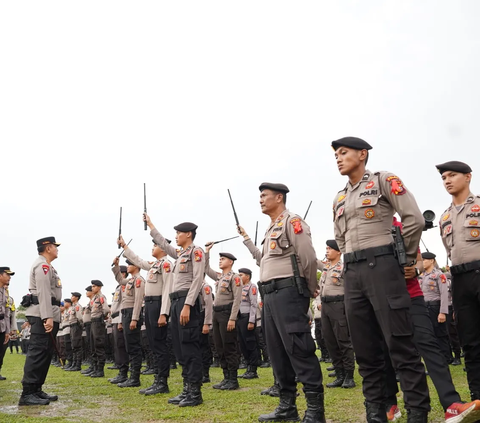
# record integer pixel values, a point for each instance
(224, 288)
(129, 290)
(184, 265)
(277, 242)
(152, 275)
(368, 210)
(472, 230)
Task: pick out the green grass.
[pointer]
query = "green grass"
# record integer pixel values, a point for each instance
(96, 400)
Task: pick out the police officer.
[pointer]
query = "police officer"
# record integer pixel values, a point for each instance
(376, 297)
(246, 324)
(133, 292)
(66, 333)
(44, 317)
(87, 322)
(5, 276)
(228, 291)
(334, 324)
(460, 231)
(452, 326)
(435, 291)
(288, 278)
(158, 282)
(183, 307)
(76, 321)
(206, 323)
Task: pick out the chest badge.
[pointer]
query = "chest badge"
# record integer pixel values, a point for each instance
(273, 245)
(340, 211)
(476, 208)
(475, 233)
(473, 222)
(369, 213)
(366, 202)
(371, 184)
(447, 230)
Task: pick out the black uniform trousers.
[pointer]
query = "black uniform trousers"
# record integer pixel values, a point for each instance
(466, 303)
(39, 355)
(248, 340)
(261, 345)
(3, 348)
(61, 347)
(337, 336)
(377, 304)
(322, 346)
(98, 341)
(440, 329)
(452, 333)
(120, 352)
(76, 337)
(226, 343)
(133, 339)
(88, 340)
(427, 345)
(285, 324)
(157, 337)
(186, 341)
(68, 347)
(204, 345)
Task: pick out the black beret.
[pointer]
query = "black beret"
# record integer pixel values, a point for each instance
(123, 269)
(454, 167)
(46, 241)
(428, 255)
(77, 294)
(129, 263)
(6, 270)
(67, 300)
(228, 255)
(165, 240)
(88, 288)
(333, 244)
(245, 270)
(274, 187)
(351, 142)
(97, 283)
(186, 227)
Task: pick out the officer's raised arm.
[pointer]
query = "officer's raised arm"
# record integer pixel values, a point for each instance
(159, 239)
(256, 253)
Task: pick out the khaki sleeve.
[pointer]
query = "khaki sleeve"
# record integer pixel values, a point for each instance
(208, 306)
(167, 274)
(404, 203)
(256, 253)
(139, 295)
(79, 313)
(208, 270)
(163, 244)
(443, 285)
(339, 234)
(43, 274)
(320, 265)
(198, 264)
(137, 261)
(118, 275)
(237, 295)
(252, 293)
(105, 309)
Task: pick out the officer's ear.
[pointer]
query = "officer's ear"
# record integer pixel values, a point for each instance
(363, 156)
(468, 177)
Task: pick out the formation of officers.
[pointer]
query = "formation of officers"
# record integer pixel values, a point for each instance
(380, 303)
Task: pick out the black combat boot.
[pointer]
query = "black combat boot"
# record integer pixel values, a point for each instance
(160, 386)
(90, 370)
(315, 410)
(45, 396)
(232, 382)
(330, 368)
(99, 372)
(121, 377)
(155, 381)
(206, 375)
(193, 397)
(338, 382)
(178, 399)
(251, 373)
(275, 390)
(286, 410)
(29, 396)
(417, 416)
(71, 367)
(348, 382)
(223, 382)
(133, 381)
(68, 365)
(376, 413)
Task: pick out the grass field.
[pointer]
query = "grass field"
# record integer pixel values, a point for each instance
(82, 399)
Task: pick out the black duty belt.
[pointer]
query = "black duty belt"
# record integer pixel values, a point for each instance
(244, 315)
(116, 314)
(178, 294)
(125, 311)
(432, 303)
(361, 255)
(153, 298)
(277, 284)
(226, 307)
(465, 268)
(87, 323)
(55, 302)
(332, 298)
(97, 319)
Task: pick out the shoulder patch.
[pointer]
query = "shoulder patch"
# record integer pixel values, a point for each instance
(102, 300)
(238, 282)
(45, 268)
(443, 278)
(138, 283)
(77, 308)
(397, 185)
(207, 290)
(297, 225)
(254, 290)
(166, 267)
(198, 255)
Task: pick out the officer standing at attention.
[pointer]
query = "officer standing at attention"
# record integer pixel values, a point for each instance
(460, 231)
(288, 278)
(435, 291)
(66, 333)
(334, 323)
(5, 276)
(183, 307)
(246, 324)
(87, 322)
(376, 298)
(76, 321)
(206, 299)
(43, 314)
(228, 294)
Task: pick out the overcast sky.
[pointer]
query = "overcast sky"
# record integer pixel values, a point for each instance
(196, 97)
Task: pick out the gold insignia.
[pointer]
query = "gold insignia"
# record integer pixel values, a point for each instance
(273, 245)
(280, 224)
(473, 222)
(369, 213)
(446, 217)
(475, 233)
(366, 202)
(341, 198)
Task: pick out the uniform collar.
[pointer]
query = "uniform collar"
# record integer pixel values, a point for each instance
(470, 199)
(367, 176)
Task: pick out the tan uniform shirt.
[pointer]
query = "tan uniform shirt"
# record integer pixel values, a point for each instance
(87, 313)
(288, 234)
(317, 314)
(207, 303)
(66, 321)
(45, 284)
(331, 281)
(76, 314)
(249, 301)
(435, 288)
(133, 291)
(12, 312)
(363, 214)
(98, 306)
(158, 276)
(116, 305)
(448, 275)
(5, 320)
(460, 231)
(188, 271)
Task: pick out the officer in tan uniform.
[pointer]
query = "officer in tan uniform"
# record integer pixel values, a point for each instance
(228, 294)
(87, 322)
(206, 299)
(5, 275)
(76, 321)
(435, 291)
(334, 324)
(66, 333)
(460, 231)
(183, 307)
(43, 314)
(376, 298)
(133, 292)
(288, 278)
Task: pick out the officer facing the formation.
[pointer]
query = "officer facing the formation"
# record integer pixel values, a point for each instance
(43, 314)
(228, 294)
(460, 231)
(132, 300)
(288, 278)
(247, 322)
(5, 276)
(334, 323)
(376, 297)
(76, 321)
(183, 307)
(159, 280)
(435, 291)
